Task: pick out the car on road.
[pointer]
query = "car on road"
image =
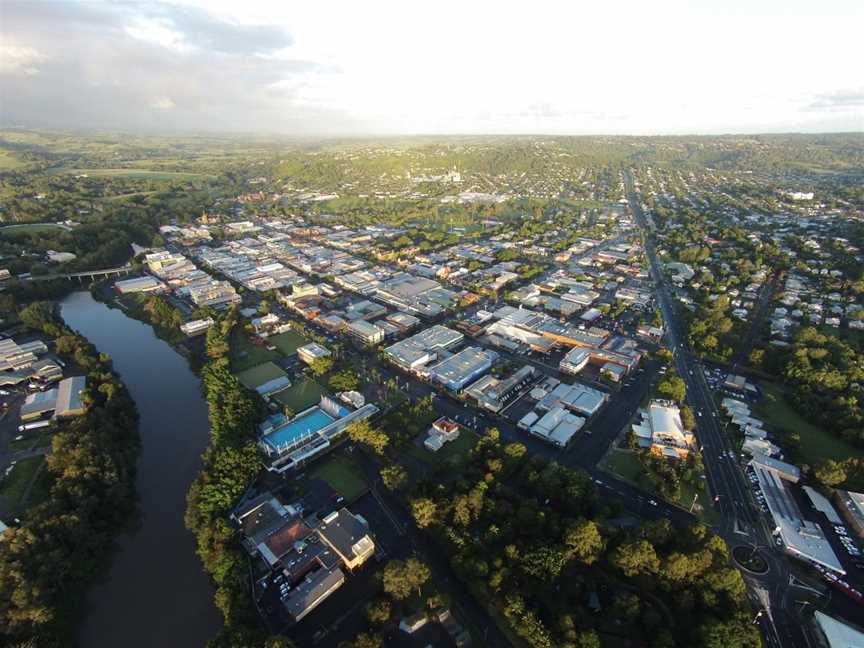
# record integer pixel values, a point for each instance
(652, 502)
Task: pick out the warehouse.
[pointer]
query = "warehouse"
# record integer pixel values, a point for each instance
(557, 426)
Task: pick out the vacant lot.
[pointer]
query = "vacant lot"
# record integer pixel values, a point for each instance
(135, 174)
(8, 161)
(342, 474)
(301, 395)
(287, 342)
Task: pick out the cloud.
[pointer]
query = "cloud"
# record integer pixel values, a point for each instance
(18, 60)
(154, 67)
(837, 101)
(163, 103)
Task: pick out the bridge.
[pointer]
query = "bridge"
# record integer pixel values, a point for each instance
(86, 274)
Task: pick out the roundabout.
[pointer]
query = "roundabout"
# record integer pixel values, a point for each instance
(749, 559)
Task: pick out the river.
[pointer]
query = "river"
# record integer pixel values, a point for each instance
(156, 593)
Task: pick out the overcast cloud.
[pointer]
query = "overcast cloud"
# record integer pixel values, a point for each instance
(395, 67)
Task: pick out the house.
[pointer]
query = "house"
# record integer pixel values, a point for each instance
(442, 431)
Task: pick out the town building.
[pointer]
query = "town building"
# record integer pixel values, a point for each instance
(311, 352)
(661, 430)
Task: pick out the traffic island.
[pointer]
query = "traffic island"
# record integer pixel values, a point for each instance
(749, 559)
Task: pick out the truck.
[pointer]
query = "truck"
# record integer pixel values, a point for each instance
(33, 426)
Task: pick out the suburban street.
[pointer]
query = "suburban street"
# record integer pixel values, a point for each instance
(742, 524)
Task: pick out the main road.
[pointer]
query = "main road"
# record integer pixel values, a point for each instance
(742, 523)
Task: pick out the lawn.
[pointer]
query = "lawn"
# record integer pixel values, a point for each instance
(816, 444)
(301, 395)
(627, 466)
(287, 342)
(245, 355)
(136, 174)
(259, 375)
(342, 474)
(15, 483)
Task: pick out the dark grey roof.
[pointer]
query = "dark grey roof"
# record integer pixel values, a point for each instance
(312, 591)
(342, 530)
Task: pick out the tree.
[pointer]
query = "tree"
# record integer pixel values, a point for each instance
(830, 473)
(401, 577)
(394, 476)
(687, 418)
(321, 366)
(378, 611)
(583, 541)
(345, 380)
(638, 557)
(424, 511)
(363, 432)
(673, 388)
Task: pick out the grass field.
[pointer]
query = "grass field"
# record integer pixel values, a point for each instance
(301, 395)
(343, 475)
(245, 355)
(287, 342)
(9, 162)
(260, 374)
(816, 444)
(28, 228)
(15, 483)
(135, 174)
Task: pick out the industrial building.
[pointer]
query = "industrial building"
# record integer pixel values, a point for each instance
(139, 285)
(62, 401)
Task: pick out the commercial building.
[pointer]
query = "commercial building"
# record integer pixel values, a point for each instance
(304, 557)
(494, 394)
(311, 352)
(577, 398)
(196, 327)
(365, 333)
(801, 538)
(851, 507)
(462, 368)
(424, 347)
(557, 426)
(661, 430)
(575, 361)
(835, 633)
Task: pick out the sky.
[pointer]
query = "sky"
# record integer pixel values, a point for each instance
(443, 67)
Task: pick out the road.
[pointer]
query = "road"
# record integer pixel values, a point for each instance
(742, 523)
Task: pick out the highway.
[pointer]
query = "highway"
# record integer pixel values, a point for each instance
(742, 523)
